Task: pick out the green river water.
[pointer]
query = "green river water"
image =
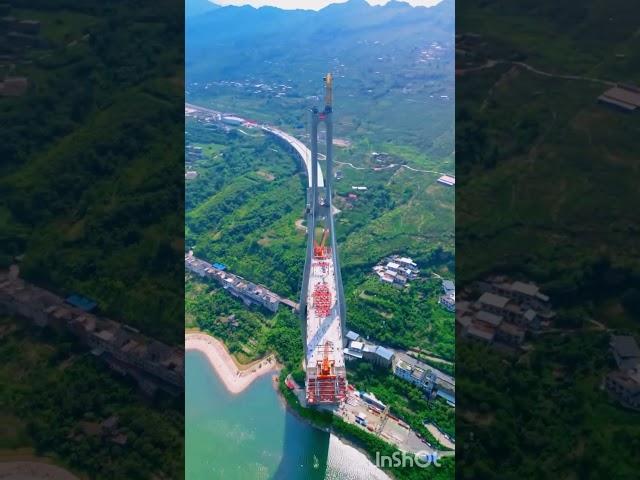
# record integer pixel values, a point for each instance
(251, 436)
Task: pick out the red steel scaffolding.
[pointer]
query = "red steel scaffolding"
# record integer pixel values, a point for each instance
(321, 300)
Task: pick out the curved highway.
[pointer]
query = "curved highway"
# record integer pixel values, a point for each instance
(300, 148)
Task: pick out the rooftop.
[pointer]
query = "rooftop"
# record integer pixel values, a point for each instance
(525, 288)
(351, 335)
(493, 300)
(625, 346)
(622, 96)
(384, 353)
(479, 332)
(489, 318)
(447, 180)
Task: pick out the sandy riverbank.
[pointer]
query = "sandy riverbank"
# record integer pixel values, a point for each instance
(31, 470)
(234, 377)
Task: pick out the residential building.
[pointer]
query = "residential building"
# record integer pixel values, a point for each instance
(625, 352)
(446, 390)
(369, 351)
(250, 293)
(447, 180)
(350, 354)
(383, 357)
(412, 373)
(403, 370)
(448, 287)
(14, 86)
(624, 97)
(153, 364)
(509, 309)
(510, 334)
(397, 270)
(448, 301)
(624, 386)
(481, 332)
(352, 336)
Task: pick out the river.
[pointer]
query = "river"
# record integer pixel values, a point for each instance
(252, 436)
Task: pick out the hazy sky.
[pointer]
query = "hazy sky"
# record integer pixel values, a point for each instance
(312, 4)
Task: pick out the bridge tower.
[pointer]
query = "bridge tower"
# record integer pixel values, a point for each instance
(323, 330)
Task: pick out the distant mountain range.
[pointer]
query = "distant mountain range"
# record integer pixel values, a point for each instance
(198, 7)
(242, 38)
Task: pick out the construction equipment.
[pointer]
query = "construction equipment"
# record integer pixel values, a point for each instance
(328, 92)
(322, 300)
(319, 249)
(326, 368)
(383, 420)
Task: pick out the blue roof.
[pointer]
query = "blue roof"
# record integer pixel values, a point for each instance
(81, 302)
(351, 335)
(448, 285)
(384, 353)
(219, 266)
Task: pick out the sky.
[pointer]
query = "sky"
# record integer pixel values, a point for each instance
(313, 4)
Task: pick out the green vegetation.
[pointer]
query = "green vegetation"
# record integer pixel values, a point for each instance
(403, 318)
(365, 440)
(405, 400)
(242, 208)
(242, 211)
(56, 394)
(256, 333)
(90, 202)
(245, 207)
(554, 406)
(89, 181)
(542, 167)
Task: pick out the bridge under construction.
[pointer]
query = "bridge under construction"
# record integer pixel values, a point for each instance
(322, 305)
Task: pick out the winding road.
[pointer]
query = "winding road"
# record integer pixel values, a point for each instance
(526, 66)
(392, 165)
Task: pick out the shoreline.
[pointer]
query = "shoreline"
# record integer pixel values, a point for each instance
(339, 436)
(234, 378)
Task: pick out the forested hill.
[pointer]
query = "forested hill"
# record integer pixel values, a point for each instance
(91, 186)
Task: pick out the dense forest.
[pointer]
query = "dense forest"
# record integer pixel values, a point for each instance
(90, 181)
(543, 412)
(91, 195)
(242, 207)
(245, 210)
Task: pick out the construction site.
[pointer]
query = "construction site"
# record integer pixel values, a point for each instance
(322, 306)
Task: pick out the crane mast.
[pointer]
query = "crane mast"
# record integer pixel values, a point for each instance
(328, 92)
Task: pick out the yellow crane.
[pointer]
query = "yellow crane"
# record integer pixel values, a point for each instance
(328, 87)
